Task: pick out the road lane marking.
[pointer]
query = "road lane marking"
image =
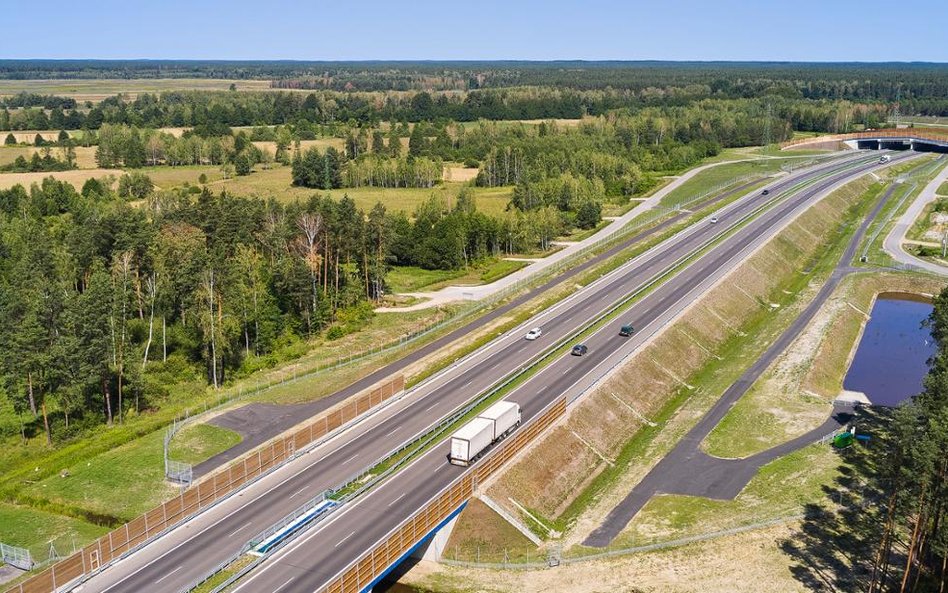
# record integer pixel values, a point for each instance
(257, 498)
(245, 525)
(298, 491)
(431, 406)
(393, 431)
(398, 499)
(283, 585)
(344, 539)
(169, 574)
(350, 459)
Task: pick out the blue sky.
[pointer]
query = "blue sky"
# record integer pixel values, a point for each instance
(799, 30)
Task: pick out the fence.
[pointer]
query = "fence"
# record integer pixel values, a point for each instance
(919, 133)
(18, 557)
(362, 572)
(181, 473)
(215, 487)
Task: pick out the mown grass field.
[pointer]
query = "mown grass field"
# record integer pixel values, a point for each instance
(199, 442)
(277, 183)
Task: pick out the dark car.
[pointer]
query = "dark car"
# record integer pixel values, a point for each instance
(765, 192)
(579, 350)
(627, 330)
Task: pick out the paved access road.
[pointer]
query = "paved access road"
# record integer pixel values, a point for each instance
(690, 471)
(202, 544)
(309, 563)
(893, 241)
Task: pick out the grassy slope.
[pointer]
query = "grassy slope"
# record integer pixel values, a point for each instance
(34, 529)
(719, 175)
(122, 483)
(587, 485)
(772, 410)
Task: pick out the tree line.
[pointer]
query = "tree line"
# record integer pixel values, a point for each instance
(107, 308)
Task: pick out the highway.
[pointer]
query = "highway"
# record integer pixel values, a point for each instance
(205, 542)
(313, 560)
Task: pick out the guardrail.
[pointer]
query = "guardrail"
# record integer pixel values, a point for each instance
(371, 566)
(182, 473)
(428, 435)
(217, 486)
(425, 437)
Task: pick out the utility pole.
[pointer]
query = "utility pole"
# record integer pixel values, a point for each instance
(767, 125)
(896, 114)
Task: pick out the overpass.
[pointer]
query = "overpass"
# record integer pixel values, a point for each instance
(918, 139)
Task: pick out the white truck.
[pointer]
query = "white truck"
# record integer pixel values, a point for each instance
(475, 437)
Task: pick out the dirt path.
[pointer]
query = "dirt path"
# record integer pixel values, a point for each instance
(687, 469)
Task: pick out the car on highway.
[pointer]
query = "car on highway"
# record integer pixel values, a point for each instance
(885, 158)
(533, 334)
(714, 220)
(579, 350)
(766, 192)
(626, 330)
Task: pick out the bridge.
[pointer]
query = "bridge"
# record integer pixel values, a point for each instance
(918, 139)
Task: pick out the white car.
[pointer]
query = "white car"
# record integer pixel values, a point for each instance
(714, 220)
(533, 334)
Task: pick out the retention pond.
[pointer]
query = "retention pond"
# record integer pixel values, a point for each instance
(891, 360)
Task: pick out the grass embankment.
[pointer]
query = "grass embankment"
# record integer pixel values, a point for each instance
(693, 362)
(795, 393)
(199, 442)
(481, 534)
(119, 484)
(915, 173)
(718, 176)
(34, 530)
(90, 458)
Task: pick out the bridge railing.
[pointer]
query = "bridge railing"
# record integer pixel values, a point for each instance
(939, 135)
(391, 549)
(212, 489)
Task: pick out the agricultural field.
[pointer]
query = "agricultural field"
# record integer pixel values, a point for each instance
(95, 90)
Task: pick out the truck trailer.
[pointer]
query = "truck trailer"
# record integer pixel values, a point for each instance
(475, 437)
(504, 417)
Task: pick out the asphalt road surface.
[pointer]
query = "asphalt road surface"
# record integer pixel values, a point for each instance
(310, 562)
(257, 422)
(690, 471)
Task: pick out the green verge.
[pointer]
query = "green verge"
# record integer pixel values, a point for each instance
(738, 433)
(367, 481)
(92, 459)
(739, 350)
